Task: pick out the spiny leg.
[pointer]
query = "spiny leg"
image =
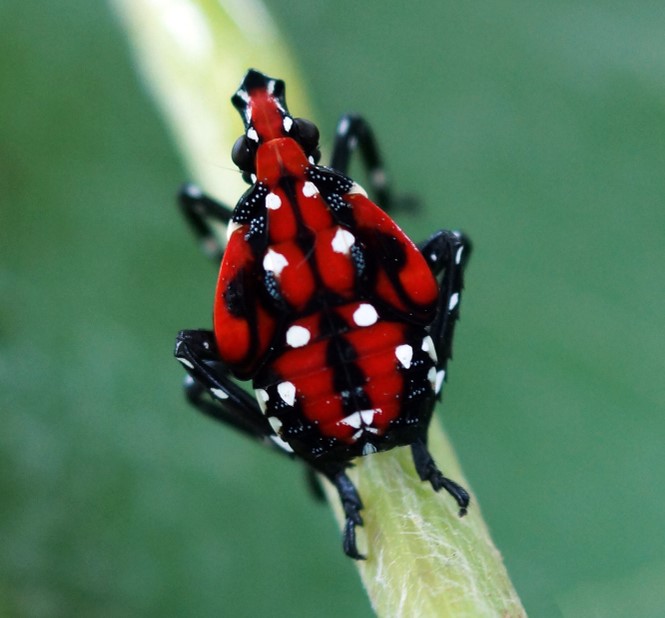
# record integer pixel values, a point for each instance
(428, 471)
(354, 132)
(351, 504)
(447, 254)
(203, 214)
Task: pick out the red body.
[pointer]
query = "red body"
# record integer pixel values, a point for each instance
(323, 301)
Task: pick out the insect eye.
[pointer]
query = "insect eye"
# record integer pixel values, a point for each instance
(307, 134)
(242, 154)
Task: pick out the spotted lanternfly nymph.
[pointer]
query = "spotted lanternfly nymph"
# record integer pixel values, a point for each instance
(343, 324)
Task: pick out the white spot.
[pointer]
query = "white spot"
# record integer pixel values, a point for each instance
(283, 445)
(297, 336)
(243, 95)
(454, 299)
(274, 262)
(361, 419)
(369, 448)
(262, 398)
(367, 416)
(404, 354)
(185, 362)
(273, 202)
(431, 376)
(271, 86)
(353, 420)
(342, 241)
(287, 123)
(378, 178)
(428, 346)
(439, 381)
(193, 191)
(252, 134)
(309, 189)
(232, 227)
(356, 189)
(287, 391)
(311, 160)
(219, 393)
(343, 126)
(253, 178)
(365, 315)
(357, 435)
(353, 142)
(275, 423)
(458, 255)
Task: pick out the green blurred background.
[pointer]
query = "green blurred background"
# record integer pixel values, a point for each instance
(537, 127)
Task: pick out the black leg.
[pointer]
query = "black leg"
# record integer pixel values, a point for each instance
(447, 254)
(354, 132)
(351, 504)
(212, 391)
(428, 471)
(203, 214)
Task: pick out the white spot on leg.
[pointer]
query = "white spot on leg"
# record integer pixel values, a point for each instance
(274, 262)
(309, 189)
(365, 315)
(282, 444)
(287, 123)
(440, 375)
(378, 178)
(454, 299)
(185, 362)
(297, 336)
(431, 376)
(262, 398)
(252, 134)
(273, 202)
(404, 354)
(458, 255)
(275, 423)
(428, 346)
(193, 191)
(219, 393)
(343, 241)
(343, 126)
(287, 391)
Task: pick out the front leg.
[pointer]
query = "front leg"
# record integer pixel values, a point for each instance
(207, 218)
(354, 132)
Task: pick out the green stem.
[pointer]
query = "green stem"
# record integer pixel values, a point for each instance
(423, 560)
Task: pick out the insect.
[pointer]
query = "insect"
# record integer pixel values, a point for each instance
(343, 324)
